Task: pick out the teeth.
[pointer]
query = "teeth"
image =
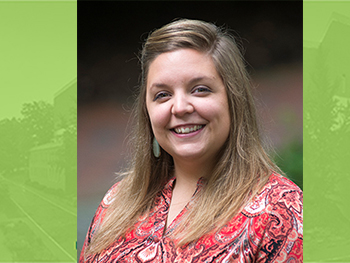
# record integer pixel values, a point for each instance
(188, 130)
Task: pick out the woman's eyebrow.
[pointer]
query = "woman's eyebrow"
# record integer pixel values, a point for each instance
(161, 85)
(156, 86)
(198, 79)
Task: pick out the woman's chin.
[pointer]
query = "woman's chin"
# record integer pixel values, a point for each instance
(188, 155)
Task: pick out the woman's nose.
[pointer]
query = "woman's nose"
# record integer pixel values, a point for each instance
(181, 105)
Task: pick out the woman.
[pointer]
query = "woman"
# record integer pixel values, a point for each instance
(201, 188)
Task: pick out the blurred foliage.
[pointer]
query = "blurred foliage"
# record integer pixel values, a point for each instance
(37, 127)
(10, 141)
(66, 160)
(290, 160)
(19, 135)
(37, 122)
(20, 241)
(33, 148)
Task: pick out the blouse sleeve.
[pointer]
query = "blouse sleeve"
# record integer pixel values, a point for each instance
(283, 235)
(97, 219)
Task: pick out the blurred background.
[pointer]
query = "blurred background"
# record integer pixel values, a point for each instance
(110, 36)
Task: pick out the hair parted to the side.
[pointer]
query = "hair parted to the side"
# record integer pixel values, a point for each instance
(243, 165)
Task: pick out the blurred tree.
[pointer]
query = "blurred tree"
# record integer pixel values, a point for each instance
(66, 161)
(37, 122)
(326, 130)
(18, 136)
(11, 156)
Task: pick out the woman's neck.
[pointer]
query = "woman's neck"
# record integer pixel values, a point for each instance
(184, 188)
(188, 173)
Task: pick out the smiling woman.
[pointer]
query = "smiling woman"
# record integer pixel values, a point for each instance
(189, 111)
(201, 187)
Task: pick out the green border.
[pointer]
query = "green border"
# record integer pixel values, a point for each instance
(326, 131)
(38, 210)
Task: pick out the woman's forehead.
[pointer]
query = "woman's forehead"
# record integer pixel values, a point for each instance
(181, 65)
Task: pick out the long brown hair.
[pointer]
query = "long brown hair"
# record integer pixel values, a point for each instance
(243, 166)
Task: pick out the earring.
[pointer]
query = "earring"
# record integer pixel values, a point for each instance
(156, 148)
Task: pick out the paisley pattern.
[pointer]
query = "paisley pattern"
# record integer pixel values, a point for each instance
(269, 229)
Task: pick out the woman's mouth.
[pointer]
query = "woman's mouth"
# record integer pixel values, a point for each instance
(190, 129)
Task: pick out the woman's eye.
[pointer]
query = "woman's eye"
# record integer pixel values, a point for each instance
(201, 89)
(160, 95)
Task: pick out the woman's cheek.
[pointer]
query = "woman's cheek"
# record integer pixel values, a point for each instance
(159, 117)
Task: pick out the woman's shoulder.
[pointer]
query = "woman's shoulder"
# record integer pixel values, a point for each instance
(282, 181)
(279, 187)
(278, 191)
(277, 214)
(109, 196)
(101, 211)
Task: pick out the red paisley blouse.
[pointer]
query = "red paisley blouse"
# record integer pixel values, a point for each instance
(269, 229)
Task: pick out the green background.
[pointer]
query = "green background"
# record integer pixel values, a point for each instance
(326, 131)
(38, 63)
(38, 69)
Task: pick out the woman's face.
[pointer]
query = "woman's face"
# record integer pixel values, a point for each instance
(187, 105)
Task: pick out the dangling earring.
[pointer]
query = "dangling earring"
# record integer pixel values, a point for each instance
(156, 148)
